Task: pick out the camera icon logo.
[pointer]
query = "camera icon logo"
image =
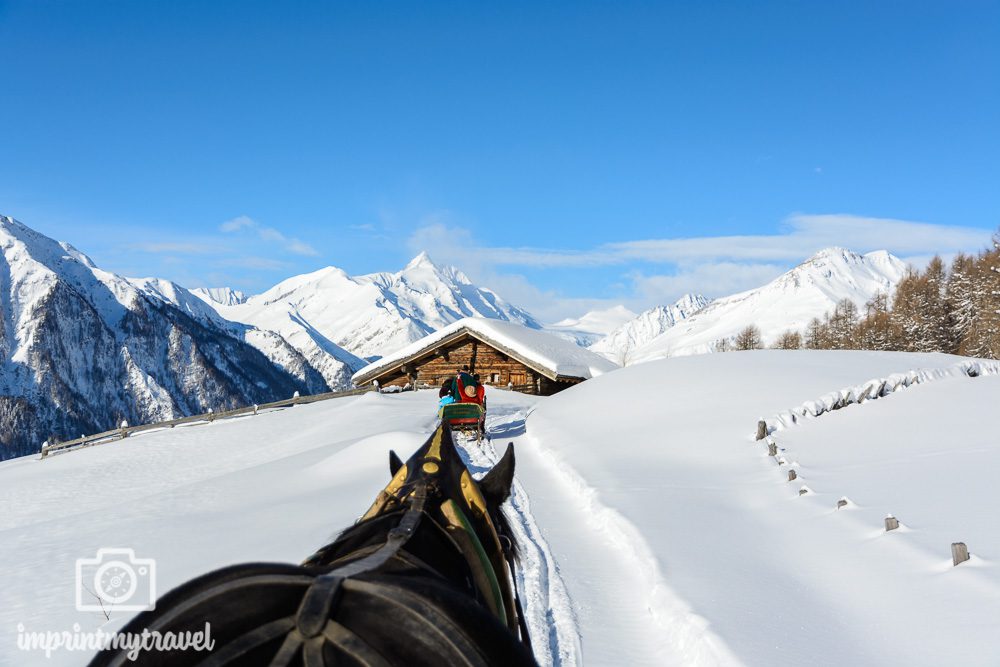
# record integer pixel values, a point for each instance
(115, 579)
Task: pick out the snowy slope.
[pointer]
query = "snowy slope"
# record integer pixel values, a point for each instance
(620, 343)
(320, 372)
(226, 296)
(370, 315)
(704, 553)
(664, 536)
(809, 290)
(592, 326)
(272, 487)
(81, 348)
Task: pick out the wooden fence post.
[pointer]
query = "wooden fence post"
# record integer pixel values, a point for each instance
(791, 475)
(761, 429)
(772, 449)
(959, 553)
(122, 429)
(803, 491)
(842, 503)
(891, 523)
(211, 415)
(255, 407)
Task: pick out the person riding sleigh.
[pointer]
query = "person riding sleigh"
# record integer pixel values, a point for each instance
(463, 402)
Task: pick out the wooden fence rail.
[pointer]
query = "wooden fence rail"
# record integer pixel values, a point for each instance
(124, 432)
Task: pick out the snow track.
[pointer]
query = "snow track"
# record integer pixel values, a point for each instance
(626, 592)
(626, 595)
(548, 609)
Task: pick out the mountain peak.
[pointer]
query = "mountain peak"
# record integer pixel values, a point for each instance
(421, 260)
(847, 265)
(834, 253)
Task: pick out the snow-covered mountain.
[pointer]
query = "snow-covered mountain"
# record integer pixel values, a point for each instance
(224, 295)
(317, 377)
(82, 348)
(591, 327)
(790, 301)
(619, 344)
(326, 312)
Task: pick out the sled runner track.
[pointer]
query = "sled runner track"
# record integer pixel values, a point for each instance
(554, 633)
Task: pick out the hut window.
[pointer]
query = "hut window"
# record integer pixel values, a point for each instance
(494, 378)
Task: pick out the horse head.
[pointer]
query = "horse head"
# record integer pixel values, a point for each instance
(438, 467)
(420, 579)
(435, 482)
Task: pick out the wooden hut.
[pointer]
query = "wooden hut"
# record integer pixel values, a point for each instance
(501, 353)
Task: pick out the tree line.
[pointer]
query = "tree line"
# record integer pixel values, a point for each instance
(952, 309)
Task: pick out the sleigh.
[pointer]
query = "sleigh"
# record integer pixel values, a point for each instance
(464, 417)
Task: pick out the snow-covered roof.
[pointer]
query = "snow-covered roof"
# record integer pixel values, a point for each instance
(553, 357)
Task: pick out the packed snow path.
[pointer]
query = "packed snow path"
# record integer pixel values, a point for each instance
(623, 610)
(547, 607)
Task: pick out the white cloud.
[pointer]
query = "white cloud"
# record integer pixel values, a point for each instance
(268, 234)
(807, 234)
(804, 235)
(237, 224)
(710, 279)
(711, 265)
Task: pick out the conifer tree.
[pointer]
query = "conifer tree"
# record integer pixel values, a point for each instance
(841, 325)
(816, 335)
(790, 340)
(875, 331)
(960, 296)
(937, 316)
(749, 339)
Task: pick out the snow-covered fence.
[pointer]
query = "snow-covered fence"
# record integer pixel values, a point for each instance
(869, 391)
(761, 430)
(872, 390)
(125, 430)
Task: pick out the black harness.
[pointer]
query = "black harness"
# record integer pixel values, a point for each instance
(312, 619)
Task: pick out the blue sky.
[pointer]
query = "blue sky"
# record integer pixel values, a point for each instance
(568, 154)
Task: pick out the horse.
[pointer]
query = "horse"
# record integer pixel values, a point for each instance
(422, 578)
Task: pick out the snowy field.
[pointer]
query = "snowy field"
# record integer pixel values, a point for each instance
(656, 530)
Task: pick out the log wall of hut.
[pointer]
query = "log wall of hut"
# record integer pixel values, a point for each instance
(494, 368)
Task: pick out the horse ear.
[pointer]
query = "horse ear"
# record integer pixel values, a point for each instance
(495, 486)
(395, 463)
